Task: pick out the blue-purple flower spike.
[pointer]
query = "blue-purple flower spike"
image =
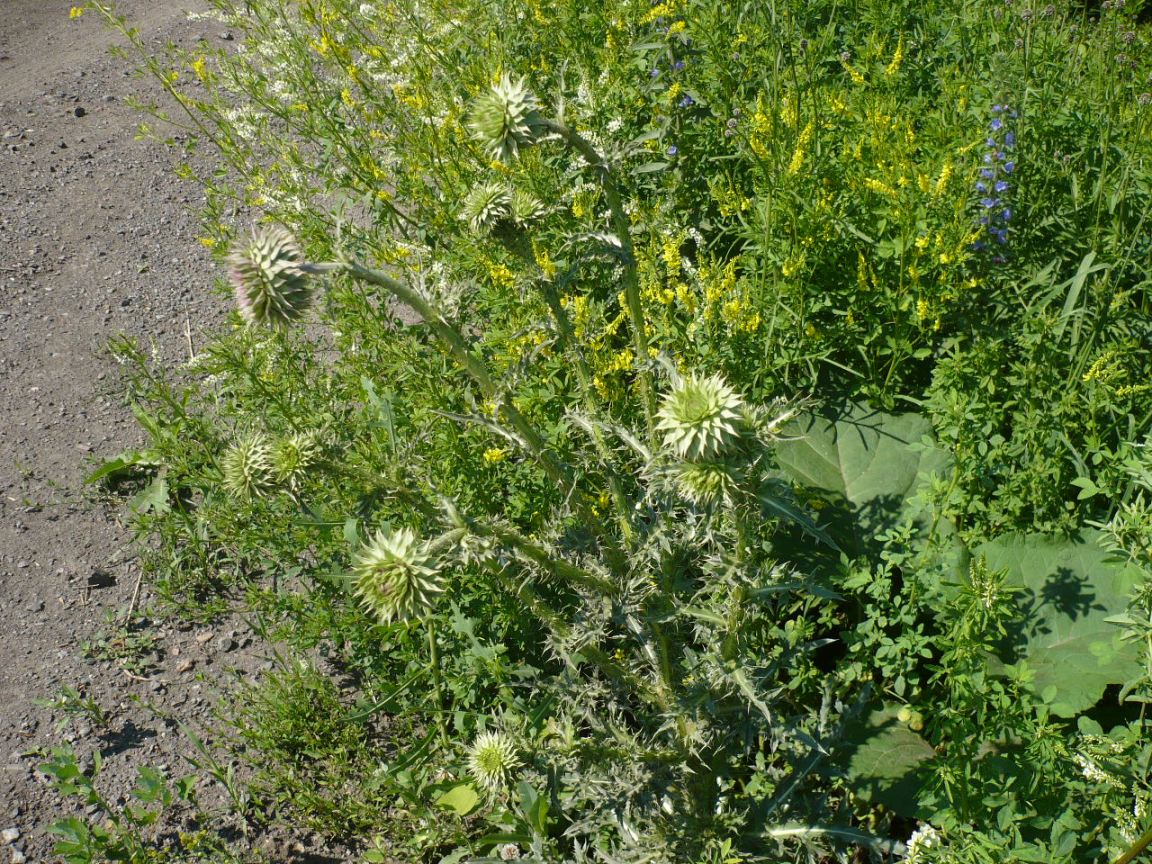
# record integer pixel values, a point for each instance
(993, 186)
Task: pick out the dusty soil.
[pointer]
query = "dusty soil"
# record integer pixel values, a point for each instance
(97, 238)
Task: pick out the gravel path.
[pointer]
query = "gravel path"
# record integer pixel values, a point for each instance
(97, 237)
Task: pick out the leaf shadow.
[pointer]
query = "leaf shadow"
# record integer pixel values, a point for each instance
(1064, 594)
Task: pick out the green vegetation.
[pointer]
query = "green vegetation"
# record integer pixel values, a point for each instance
(693, 432)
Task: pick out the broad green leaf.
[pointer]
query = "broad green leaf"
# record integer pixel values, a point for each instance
(461, 799)
(1068, 590)
(153, 497)
(867, 463)
(883, 764)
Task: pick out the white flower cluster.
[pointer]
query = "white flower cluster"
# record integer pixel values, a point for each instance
(923, 838)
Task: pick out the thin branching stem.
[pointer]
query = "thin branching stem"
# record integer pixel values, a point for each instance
(631, 274)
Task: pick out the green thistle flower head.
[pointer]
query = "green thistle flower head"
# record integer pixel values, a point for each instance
(396, 576)
(702, 418)
(505, 119)
(526, 207)
(486, 205)
(291, 457)
(268, 278)
(247, 468)
(493, 760)
(707, 484)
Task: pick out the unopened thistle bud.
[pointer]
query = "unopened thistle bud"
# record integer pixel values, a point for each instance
(702, 418)
(486, 205)
(268, 277)
(493, 760)
(247, 468)
(505, 119)
(707, 484)
(291, 457)
(396, 576)
(526, 207)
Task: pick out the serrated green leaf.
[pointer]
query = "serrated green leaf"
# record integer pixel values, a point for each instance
(152, 498)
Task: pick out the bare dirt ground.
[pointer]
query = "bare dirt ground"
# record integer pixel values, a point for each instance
(97, 238)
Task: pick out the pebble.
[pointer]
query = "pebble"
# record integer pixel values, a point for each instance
(79, 111)
(9, 836)
(18, 857)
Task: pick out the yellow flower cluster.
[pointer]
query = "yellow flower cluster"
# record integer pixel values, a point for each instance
(761, 129)
(728, 200)
(802, 144)
(897, 58)
(500, 275)
(544, 261)
(660, 10)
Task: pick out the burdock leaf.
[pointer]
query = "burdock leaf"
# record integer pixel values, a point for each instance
(884, 760)
(869, 465)
(1067, 591)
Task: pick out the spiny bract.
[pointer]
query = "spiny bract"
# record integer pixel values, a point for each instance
(707, 483)
(247, 467)
(505, 118)
(486, 205)
(268, 278)
(493, 759)
(702, 418)
(396, 577)
(526, 207)
(292, 457)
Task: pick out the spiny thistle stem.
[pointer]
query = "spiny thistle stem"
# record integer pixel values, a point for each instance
(631, 275)
(610, 668)
(471, 363)
(437, 682)
(556, 566)
(557, 472)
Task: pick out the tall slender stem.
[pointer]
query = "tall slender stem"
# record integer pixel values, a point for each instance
(437, 682)
(1139, 846)
(472, 364)
(631, 275)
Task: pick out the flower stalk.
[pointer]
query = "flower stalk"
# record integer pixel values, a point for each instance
(631, 274)
(472, 364)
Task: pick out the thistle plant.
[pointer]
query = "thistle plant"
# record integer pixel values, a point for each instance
(525, 207)
(396, 576)
(268, 278)
(292, 457)
(681, 676)
(247, 467)
(493, 760)
(708, 484)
